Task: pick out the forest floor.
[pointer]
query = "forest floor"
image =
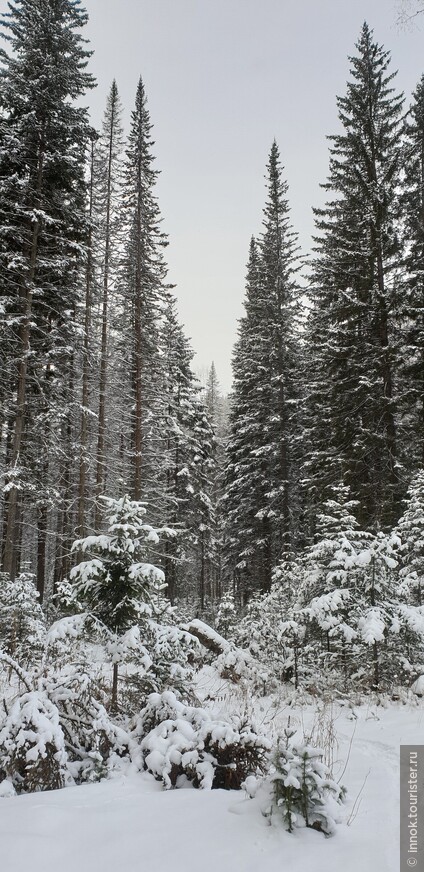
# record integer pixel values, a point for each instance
(130, 823)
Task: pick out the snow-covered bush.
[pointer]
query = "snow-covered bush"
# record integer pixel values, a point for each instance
(179, 740)
(237, 664)
(32, 745)
(304, 792)
(71, 691)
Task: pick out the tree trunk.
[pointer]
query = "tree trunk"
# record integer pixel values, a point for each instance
(41, 549)
(376, 666)
(202, 571)
(114, 696)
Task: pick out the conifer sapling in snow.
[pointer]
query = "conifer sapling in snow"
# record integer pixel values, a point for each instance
(117, 583)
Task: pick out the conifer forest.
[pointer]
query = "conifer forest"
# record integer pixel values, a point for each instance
(175, 560)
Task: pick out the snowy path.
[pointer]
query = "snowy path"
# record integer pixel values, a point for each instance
(130, 824)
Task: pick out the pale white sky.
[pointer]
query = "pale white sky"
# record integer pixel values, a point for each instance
(223, 78)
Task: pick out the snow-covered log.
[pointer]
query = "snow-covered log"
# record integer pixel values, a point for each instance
(208, 637)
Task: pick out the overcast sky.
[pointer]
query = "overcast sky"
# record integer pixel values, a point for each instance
(223, 78)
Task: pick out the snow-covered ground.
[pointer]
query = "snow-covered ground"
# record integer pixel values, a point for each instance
(129, 823)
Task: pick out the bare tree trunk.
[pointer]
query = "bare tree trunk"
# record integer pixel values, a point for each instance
(202, 571)
(59, 548)
(114, 696)
(42, 514)
(376, 666)
(7, 459)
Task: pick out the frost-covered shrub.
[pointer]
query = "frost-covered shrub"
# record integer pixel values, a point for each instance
(304, 792)
(71, 694)
(32, 745)
(92, 739)
(180, 740)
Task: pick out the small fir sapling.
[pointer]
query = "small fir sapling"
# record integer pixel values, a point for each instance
(227, 616)
(117, 584)
(22, 624)
(304, 791)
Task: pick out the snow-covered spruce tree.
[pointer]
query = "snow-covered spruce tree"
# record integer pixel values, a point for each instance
(352, 334)
(273, 628)
(260, 494)
(379, 615)
(188, 453)
(244, 470)
(328, 592)
(361, 625)
(22, 623)
(227, 615)
(411, 532)
(304, 791)
(42, 150)
(117, 584)
(214, 399)
(412, 363)
(136, 344)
